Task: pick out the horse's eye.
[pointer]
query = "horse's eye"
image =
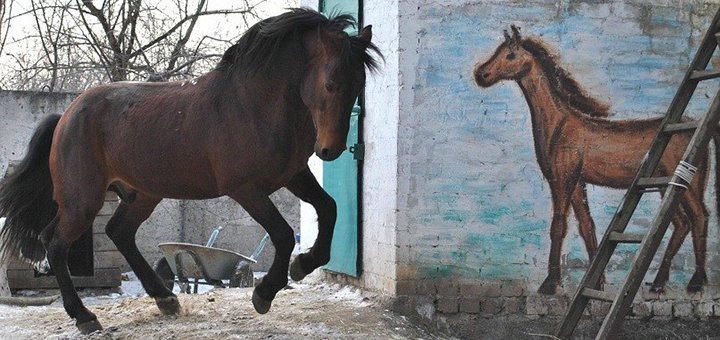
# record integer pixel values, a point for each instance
(511, 56)
(331, 86)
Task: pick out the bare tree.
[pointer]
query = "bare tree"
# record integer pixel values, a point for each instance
(81, 42)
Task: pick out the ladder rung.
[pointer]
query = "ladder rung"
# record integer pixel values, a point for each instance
(705, 74)
(653, 182)
(625, 237)
(598, 294)
(681, 127)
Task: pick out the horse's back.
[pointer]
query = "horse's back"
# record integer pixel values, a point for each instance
(135, 134)
(171, 140)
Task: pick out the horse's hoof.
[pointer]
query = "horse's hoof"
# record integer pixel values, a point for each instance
(696, 283)
(168, 305)
(548, 287)
(296, 271)
(694, 288)
(261, 305)
(89, 327)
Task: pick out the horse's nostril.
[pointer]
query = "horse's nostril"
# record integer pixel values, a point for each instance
(325, 152)
(486, 75)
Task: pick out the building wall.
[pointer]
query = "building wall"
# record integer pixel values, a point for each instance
(172, 220)
(381, 261)
(474, 210)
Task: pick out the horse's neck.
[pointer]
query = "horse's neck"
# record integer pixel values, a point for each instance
(276, 104)
(546, 112)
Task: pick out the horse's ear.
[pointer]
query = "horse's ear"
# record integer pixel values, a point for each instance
(366, 33)
(507, 36)
(516, 33)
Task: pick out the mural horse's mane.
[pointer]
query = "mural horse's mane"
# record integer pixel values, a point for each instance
(562, 84)
(575, 144)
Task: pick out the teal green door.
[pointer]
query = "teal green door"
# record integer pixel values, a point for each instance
(341, 177)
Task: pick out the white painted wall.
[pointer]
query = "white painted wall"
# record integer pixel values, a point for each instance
(380, 171)
(381, 257)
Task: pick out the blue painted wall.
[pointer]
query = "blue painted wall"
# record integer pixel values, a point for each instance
(476, 202)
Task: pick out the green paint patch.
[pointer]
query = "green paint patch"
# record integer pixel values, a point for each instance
(610, 209)
(459, 256)
(445, 271)
(526, 225)
(493, 216)
(531, 239)
(445, 198)
(502, 271)
(454, 216)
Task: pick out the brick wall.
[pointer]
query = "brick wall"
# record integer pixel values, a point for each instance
(456, 210)
(473, 207)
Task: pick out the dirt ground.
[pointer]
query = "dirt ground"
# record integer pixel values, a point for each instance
(307, 310)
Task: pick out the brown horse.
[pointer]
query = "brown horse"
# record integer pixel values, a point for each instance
(575, 145)
(243, 130)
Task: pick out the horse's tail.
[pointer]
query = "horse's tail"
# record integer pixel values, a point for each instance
(26, 199)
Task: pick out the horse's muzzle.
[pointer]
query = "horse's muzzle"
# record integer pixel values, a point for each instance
(328, 153)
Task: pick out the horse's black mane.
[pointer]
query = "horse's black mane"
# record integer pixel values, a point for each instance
(257, 47)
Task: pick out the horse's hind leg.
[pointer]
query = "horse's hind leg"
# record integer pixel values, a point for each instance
(699, 215)
(262, 209)
(681, 223)
(121, 229)
(305, 186)
(72, 221)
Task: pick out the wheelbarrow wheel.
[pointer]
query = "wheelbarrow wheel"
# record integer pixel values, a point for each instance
(243, 276)
(162, 268)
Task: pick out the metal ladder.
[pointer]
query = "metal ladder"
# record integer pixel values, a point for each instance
(674, 187)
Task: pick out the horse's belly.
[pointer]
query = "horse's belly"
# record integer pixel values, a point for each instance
(615, 172)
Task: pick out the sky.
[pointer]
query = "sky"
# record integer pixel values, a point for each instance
(18, 44)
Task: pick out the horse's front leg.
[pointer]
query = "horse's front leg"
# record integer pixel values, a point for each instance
(262, 209)
(305, 186)
(561, 194)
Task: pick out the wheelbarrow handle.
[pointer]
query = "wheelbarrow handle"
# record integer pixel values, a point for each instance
(260, 247)
(213, 236)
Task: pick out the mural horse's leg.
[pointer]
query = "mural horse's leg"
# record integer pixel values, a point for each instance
(691, 216)
(561, 190)
(586, 225)
(699, 235)
(262, 210)
(305, 186)
(122, 229)
(681, 223)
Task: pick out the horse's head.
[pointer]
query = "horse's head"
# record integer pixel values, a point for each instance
(334, 77)
(510, 61)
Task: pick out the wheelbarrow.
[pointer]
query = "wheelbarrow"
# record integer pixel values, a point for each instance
(213, 265)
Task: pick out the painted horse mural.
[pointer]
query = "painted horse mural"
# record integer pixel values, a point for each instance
(243, 130)
(575, 144)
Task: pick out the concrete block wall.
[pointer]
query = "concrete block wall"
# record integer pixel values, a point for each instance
(172, 220)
